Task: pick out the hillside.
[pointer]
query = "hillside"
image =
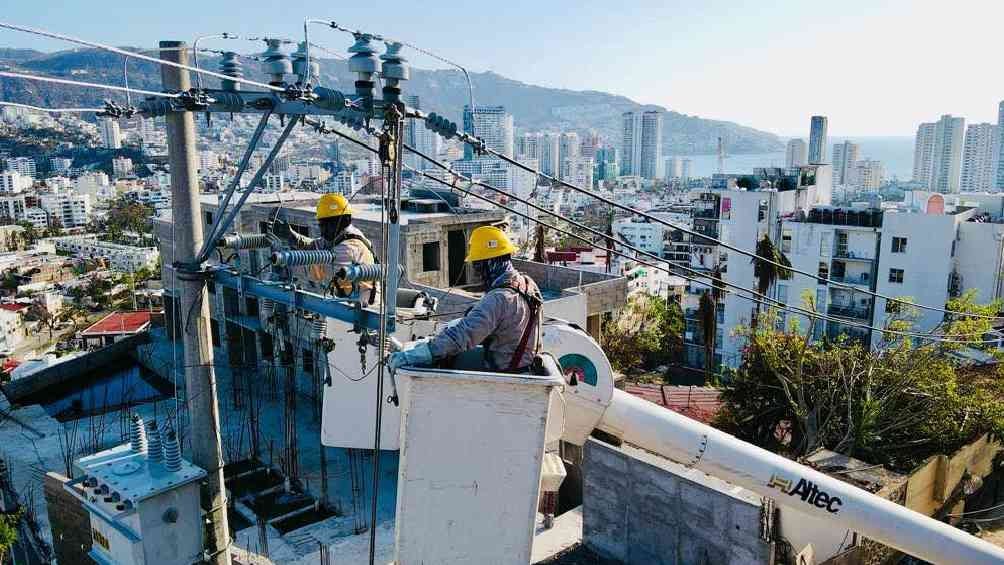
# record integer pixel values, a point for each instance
(444, 91)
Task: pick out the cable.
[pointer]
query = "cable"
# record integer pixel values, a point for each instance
(123, 52)
(794, 309)
(51, 110)
(86, 84)
(748, 253)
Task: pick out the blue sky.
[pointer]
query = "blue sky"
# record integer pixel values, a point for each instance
(873, 67)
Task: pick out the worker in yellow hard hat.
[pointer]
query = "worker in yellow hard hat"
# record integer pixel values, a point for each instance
(506, 321)
(338, 235)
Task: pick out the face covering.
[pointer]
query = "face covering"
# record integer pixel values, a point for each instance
(490, 270)
(333, 227)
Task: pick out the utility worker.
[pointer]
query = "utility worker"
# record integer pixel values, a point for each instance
(338, 235)
(506, 321)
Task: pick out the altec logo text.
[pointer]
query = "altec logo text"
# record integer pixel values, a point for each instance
(808, 492)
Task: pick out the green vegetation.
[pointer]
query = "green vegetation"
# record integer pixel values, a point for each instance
(896, 406)
(645, 335)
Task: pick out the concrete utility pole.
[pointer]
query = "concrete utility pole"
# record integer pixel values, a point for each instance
(193, 309)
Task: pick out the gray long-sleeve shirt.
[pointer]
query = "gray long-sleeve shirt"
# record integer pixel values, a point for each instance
(502, 315)
(347, 252)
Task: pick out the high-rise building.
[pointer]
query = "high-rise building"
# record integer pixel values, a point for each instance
(493, 125)
(674, 168)
(58, 165)
(923, 152)
(797, 153)
(111, 136)
(528, 145)
(23, 165)
(866, 174)
(12, 182)
(817, 140)
(686, 168)
(591, 143)
(979, 158)
(548, 148)
(121, 167)
(946, 161)
(844, 156)
(569, 148)
(67, 210)
(641, 150)
(418, 136)
(1000, 147)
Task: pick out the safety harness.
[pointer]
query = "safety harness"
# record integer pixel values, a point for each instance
(534, 301)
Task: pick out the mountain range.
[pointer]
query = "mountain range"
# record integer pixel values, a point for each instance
(443, 91)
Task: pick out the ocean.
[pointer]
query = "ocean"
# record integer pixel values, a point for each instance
(896, 153)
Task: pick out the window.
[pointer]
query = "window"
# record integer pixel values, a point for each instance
(209, 218)
(899, 245)
(308, 361)
(896, 276)
(820, 300)
(825, 244)
(430, 256)
(782, 293)
(786, 241)
(824, 272)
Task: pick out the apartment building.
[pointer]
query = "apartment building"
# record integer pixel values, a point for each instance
(69, 210)
(124, 258)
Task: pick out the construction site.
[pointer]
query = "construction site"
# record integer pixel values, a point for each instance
(279, 409)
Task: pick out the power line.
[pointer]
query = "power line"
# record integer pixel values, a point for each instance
(87, 84)
(109, 48)
(755, 296)
(746, 252)
(51, 110)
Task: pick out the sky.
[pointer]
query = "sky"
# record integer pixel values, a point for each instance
(875, 68)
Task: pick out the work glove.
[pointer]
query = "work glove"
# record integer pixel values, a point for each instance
(412, 353)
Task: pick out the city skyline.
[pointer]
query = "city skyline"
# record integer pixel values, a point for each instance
(704, 70)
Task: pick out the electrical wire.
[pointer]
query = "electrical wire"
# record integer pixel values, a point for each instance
(87, 84)
(109, 48)
(50, 110)
(755, 296)
(718, 242)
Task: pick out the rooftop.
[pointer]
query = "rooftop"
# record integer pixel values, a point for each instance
(119, 323)
(696, 402)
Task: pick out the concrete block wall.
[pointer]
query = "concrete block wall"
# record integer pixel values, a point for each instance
(604, 293)
(641, 509)
(71, 524)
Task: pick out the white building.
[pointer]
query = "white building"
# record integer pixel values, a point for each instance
(96, 185)
(69, 210)
(125, 258)
(345, 181)
(208, 161)
(36, 217)
(569, 150)
(13, 182)
(420, 137)
(111, 135)
(937, 158)
(844, 156)
(60, 165)
(979, 158)
(867, 174)
(23, 165)
(12, 207)
(492, 124)
(641, 149)
(121, 167)
(528, 145)
(797, 153)
(999, 184)
(817, 140)
(549, 152)
(642, 233)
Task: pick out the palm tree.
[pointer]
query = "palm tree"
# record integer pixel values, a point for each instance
(707, 312)
(767, 273)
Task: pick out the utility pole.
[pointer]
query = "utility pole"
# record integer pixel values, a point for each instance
(200, 380)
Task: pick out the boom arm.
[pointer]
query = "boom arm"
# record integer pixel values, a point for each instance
(594, 403)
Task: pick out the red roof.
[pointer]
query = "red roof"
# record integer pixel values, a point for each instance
(13, 307)
(119, 323)
(697, 402)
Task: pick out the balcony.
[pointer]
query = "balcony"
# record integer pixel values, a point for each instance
(851, 254)
(852, 312)
(862, 280)
(862, 336)
(706, 213)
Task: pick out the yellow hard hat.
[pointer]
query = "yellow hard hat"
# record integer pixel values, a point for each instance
(488, 242)
(331, 205)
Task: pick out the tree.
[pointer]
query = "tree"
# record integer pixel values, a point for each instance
(897, 405)
(644, 335)
(765, 272)
(8, 532)
(707, 313)
(48, 319)
(30, 234)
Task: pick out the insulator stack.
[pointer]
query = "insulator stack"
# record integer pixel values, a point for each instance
(329, 99)
(303, 258)
(267, 306)
(137, 435)
(320, 325)
(395, 69)
(374, 272)
(155, 107)
(365, 63)
(276, 62)
(172, 451)
(231, 66)
(300, 62)
(244, 241)
(154, 448)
